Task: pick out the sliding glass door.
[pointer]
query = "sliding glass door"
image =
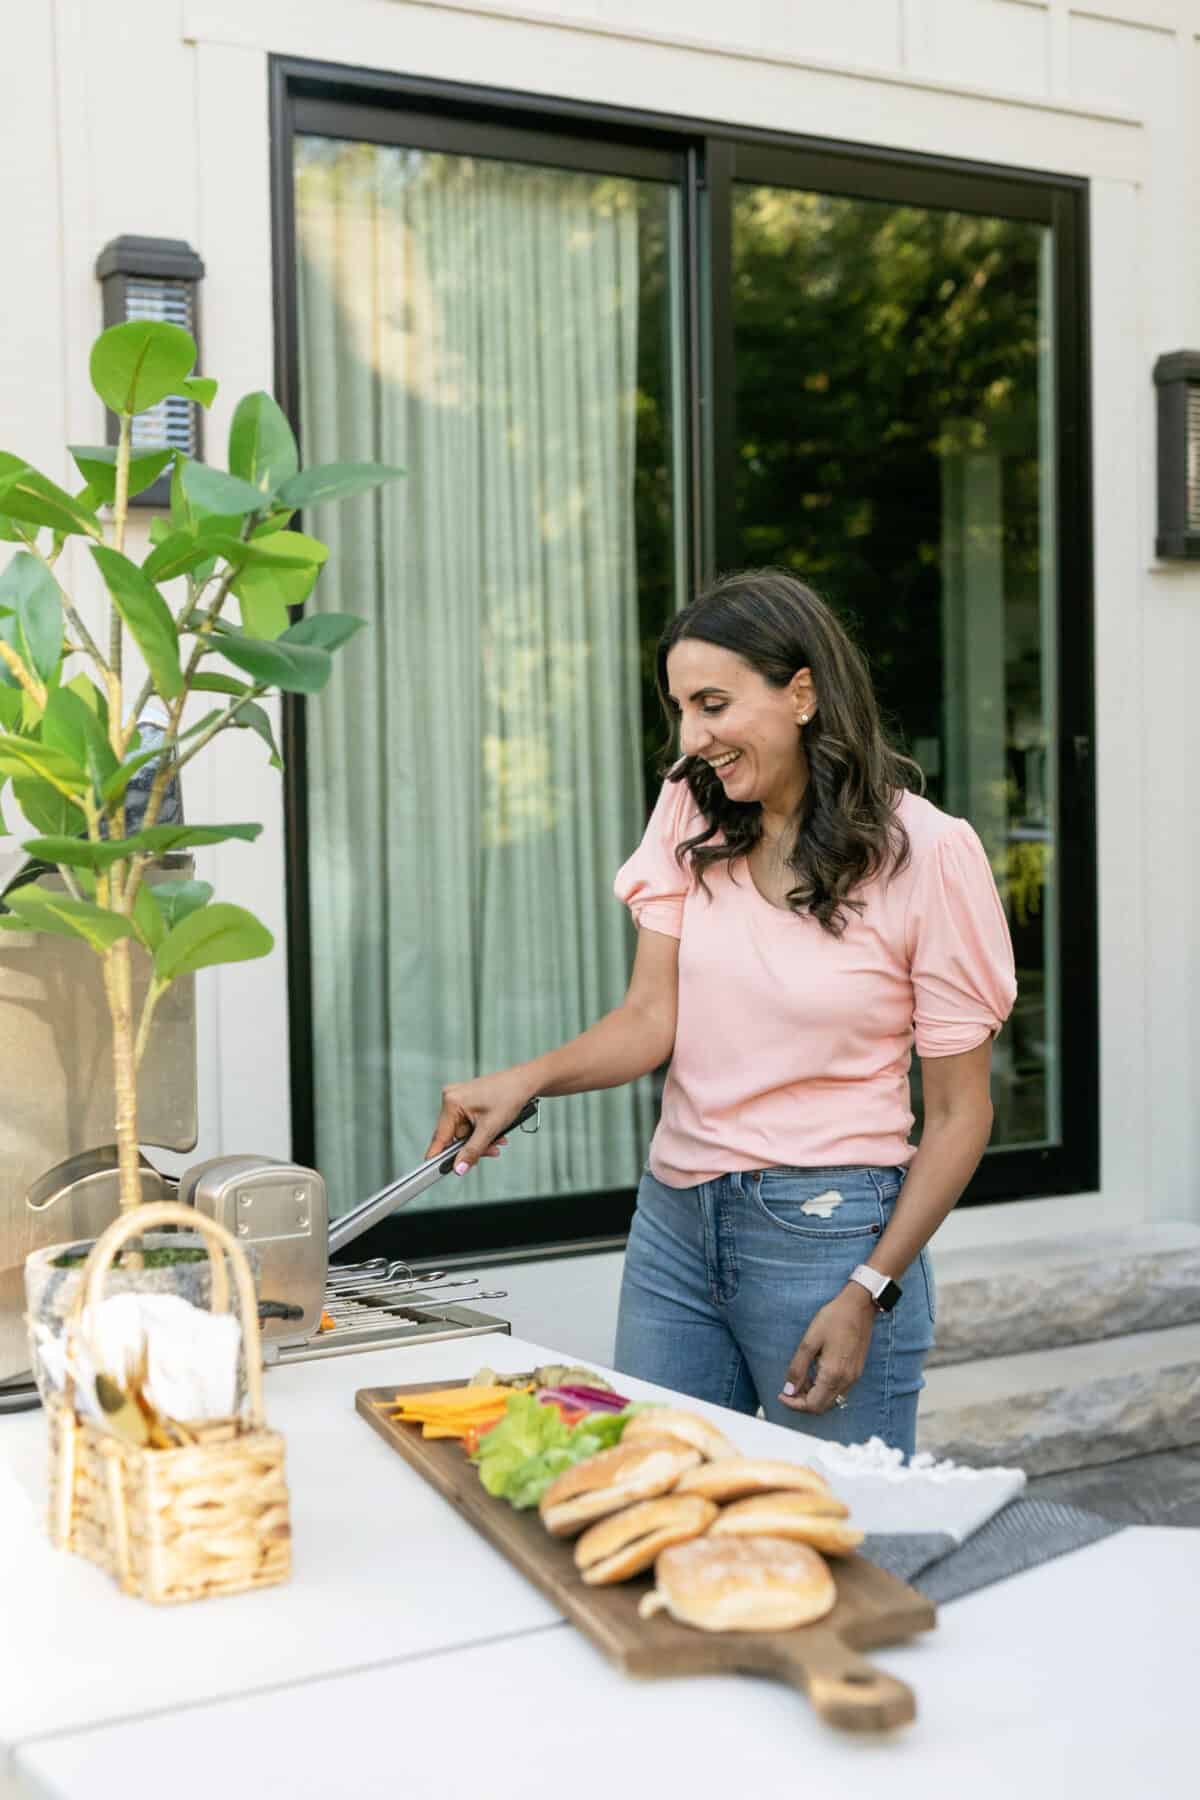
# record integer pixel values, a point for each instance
(895, 400)
(614, 355)
(503, 329)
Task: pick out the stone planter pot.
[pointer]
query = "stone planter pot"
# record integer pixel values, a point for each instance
(50, 1292)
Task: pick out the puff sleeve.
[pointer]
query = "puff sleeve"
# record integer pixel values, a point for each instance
(961, 955)
(652, 883)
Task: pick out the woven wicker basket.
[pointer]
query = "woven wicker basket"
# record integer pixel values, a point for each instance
(207, 1518)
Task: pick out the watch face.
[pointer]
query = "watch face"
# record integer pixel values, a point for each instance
(888, 1296)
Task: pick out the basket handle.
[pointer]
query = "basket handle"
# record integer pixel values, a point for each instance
(221, 1244)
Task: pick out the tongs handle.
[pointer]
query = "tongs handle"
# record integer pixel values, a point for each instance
(389, 1199)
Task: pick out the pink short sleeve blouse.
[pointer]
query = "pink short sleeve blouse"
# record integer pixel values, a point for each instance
(792, 1047)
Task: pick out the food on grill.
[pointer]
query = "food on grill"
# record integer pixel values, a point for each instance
(689, 1427)
(741, 1584)
(629, 1541)
(815, 1519)
(735, 1477)
(615, 1478)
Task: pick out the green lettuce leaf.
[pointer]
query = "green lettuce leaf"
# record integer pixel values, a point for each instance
(520, 1457)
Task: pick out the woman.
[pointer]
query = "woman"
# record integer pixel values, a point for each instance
(803, 922)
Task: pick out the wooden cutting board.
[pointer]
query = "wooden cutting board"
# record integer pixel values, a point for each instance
(872, 1608)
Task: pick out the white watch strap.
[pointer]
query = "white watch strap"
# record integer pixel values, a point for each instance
(871, 1279)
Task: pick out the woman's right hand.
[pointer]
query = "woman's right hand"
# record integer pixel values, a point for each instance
(479, 1111)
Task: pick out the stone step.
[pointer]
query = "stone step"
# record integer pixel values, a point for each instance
(1000, 1298)
(1070, 1407)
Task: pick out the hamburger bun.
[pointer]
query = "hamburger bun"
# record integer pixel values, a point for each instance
(805, 1518)
(741, 1584)
(612, 1479)
(629, 1541)
(689, 1427)
(735, 1477)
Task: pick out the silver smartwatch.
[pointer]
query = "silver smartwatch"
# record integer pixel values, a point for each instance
(883, 1290)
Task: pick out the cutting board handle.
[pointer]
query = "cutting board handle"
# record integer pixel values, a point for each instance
(843, 1687)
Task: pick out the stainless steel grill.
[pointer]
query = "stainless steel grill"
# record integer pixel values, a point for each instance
(376, 1304)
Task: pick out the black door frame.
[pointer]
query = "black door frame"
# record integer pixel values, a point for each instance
(704, 158)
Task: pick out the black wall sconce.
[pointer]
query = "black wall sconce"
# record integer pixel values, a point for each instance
(155, 278)
(1177, 378)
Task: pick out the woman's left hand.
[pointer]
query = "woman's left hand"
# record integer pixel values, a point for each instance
(830, 1357)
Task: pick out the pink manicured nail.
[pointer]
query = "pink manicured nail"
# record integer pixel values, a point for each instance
(789, 1387)
(461, 1168)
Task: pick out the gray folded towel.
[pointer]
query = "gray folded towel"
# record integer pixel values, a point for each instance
(1020, 1536)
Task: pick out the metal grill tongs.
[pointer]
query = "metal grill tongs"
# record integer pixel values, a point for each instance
(343, 1231)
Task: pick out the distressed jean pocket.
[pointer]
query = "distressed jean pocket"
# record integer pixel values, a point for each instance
(825, 1205)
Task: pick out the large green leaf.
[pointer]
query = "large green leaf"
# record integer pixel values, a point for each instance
(265, 612)
(98, 466)
(30, 593)
(252, 717)
(69, 725)
(220, 933)
(21, 756)
(92, 697)
(200, 388)
(157, 840)
(262, 449)
(10, 701)
(34, 499)
(178, 899)
(40, 910)
(149, 927)
(285, 548)
(147, 615)
(334, 481)
(179, 553)
(134, 366)
(210, 682)
(46, 809)
(215, 492)
(77, 852)
(267, 593)
(183, 514)
(329, 631)
(296, 668)
(194, 550)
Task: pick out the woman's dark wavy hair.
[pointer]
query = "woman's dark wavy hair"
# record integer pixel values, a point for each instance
(848, 826)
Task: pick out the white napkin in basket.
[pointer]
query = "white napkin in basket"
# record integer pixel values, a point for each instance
(192, 1354)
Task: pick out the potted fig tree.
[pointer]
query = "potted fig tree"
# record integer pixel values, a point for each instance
(210, 611)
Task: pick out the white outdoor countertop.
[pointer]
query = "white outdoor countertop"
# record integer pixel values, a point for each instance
(406, 1657)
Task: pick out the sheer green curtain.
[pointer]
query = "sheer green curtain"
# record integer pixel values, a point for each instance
(475, 771)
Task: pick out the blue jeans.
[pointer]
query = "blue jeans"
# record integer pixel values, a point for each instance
(722, 1280)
